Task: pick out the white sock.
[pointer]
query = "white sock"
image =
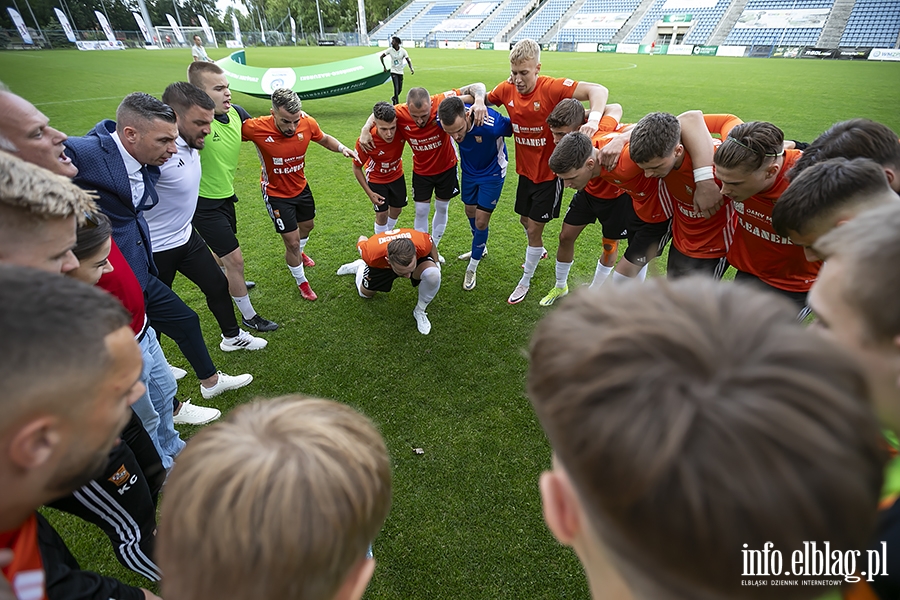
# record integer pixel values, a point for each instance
(298, 273)
(562, 273)
(618, 277)
(245, 306)
(421, 222)
(391, 223)
(473, 264)
(600, 275)
(439, 221)
(360, 273)
(428, 288)
(532, 258)
(381, 228)
(642, 274)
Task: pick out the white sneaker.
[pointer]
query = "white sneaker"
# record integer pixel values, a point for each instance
(422, 322)
(243, 341)
(191, 414)
(177, 373)
(469, 281)
(349, 268)
(225, 383)
(468, 255)
(441, 259)
(518, 294)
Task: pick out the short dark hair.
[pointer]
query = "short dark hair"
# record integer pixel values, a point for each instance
(54, 331)
(139, 106)
(401, 250)
(181, 96)
(856, 138)
(450, 109)
(568, 113)
(749, 146)
(198, 68)
(287, 99)
(417, 97)
(395, 39)
(384, 111)
(823, 189)
(571, 152)
(654, 136)
(704, 439)
(92, 234)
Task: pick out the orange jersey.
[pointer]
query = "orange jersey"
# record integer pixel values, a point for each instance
(282, 158)
(758, 250)
(630, 178)
(26, 572)
(384, 164)
(599, 187)
(534, 142)
(374, 249)
(433, 153)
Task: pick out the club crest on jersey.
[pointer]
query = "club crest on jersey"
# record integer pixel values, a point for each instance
(477, 139)
(689, 191)
(299, 136)
(537, 106)
(120, 477)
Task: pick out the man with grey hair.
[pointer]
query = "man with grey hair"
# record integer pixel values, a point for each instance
(282, 139)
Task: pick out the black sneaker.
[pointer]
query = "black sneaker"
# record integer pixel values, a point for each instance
(260, 324)
(250, 285)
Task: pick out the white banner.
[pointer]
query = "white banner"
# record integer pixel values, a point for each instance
(627, 48)
(681, 50)
(457, 24)
(20, 26)
(70, 35)
(884, 54)
(178, 35)
(689, 4)
(597, 21)
(478, 8)
(116, 45)
(731, 50)
(293, 30)
(237, 30)
(233, 44)
(143, 27)
(586, 47)
(782, 19)
(207, 30)
(101, 18)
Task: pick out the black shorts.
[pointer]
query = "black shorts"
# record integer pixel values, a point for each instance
(616, 215)
(216, 222)
(538, 201)
(394, 193)
(444, 185)
(648, 241)
(680, 265)
(287, 212)
(798, 298)
(382, 280)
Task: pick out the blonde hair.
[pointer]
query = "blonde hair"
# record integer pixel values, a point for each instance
(280, 500)
(525, 50)
(40, 194)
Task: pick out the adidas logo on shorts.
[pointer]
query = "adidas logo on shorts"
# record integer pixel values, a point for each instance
(545, 216)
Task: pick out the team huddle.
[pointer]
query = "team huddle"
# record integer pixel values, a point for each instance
(673, 401)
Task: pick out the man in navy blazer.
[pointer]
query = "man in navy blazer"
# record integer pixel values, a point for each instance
(120, 161)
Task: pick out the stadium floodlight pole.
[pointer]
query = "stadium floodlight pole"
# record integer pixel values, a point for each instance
(262, 31)
(177, 14)
(321, 29)
(363, 30)
(145, 15)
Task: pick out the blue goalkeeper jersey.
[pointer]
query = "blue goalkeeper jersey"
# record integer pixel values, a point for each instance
(482, 154)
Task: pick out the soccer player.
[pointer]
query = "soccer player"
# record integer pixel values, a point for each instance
(282, 139)
(528, 98)
(177, 247)
(751, 164)
(434, 158)
(398, 57)
(398, 253)
(215, 218)
(380, 171)
(826, 195)
(304, 486)
(704, 441)
(482, 152)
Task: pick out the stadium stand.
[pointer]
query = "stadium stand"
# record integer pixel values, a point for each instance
(399, 20)
(464, 22)
(756, 36)
(873, 23)
(419, 27)
(500, 19)
(542, 20)
(704, 19)
(598, 8)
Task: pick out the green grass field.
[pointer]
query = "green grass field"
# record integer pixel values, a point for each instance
(466, 518)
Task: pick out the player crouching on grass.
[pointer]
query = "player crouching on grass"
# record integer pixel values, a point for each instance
(282, 140)
(398, 253)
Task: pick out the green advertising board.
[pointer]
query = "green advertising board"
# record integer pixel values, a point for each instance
(316, 81)
(485, 45)
(606, 47)
(705, 50)
(677, 18)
